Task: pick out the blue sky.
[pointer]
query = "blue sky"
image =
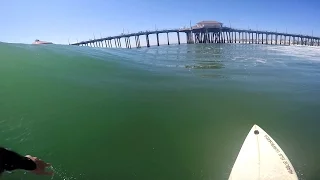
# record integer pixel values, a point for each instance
(57, 21)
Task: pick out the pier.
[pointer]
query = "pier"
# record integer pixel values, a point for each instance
(206, 32)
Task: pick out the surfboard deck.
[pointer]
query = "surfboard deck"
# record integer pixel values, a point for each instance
(261, 158)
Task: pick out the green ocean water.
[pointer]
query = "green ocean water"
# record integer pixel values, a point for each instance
(169, 112)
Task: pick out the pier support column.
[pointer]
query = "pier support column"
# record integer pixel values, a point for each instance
(135, 38)
(196, 38)
(262, 38)
(246, 37)
(147, 39)
(305, 41)
(289, 40)
(239, 37)
(234, 37)
(223, 37)
(276, 39)
(203, 38)
(318, 42)
(158, 39)
(285, 40)
(227, 38)
(271, 38)
(206, 39)
(168, 38)
(119, 41)
(178, 37)
(129, 44)
(252, 38)
(192, 37)
(115, 43)
(267, 38)
(126, 42)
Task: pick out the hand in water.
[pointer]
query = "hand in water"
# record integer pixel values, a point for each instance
(41, 166)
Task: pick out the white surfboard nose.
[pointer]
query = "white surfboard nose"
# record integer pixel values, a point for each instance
(261, 158)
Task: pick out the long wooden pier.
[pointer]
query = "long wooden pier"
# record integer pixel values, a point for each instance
(207, 35)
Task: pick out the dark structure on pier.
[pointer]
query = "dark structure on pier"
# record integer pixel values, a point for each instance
(208, 32)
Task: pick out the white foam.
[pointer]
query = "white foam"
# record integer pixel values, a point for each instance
(305, 52)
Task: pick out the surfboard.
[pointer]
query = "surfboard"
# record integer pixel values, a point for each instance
(261, 158)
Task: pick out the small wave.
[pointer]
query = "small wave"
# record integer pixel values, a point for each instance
(305, 52)
(212, 66)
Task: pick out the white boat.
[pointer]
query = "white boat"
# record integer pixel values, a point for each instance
(41, 42)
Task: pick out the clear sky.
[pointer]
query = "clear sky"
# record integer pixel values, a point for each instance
(57, 21)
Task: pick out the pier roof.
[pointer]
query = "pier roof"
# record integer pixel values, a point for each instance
(209, 22)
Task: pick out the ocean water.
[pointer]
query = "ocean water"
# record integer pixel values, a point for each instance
(169, 112)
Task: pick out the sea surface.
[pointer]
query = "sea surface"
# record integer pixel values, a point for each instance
(159, 113)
